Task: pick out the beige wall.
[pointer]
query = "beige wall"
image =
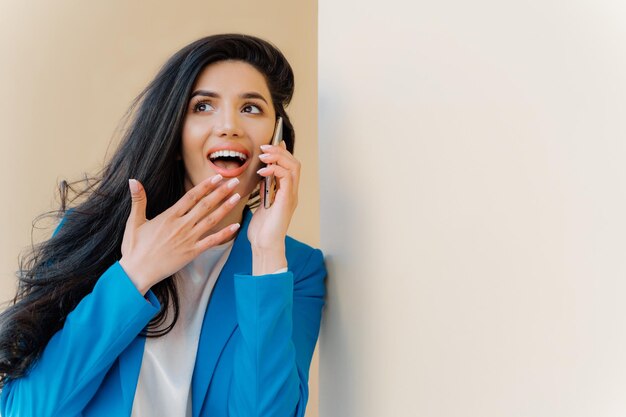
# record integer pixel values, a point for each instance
(70, 69)
(473, 208)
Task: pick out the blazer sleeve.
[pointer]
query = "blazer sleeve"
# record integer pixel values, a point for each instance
(62, 381)
(279, 324)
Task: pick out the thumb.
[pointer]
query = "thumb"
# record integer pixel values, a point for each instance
(138, 205)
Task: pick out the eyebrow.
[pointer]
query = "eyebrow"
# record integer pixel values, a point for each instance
(213, 94)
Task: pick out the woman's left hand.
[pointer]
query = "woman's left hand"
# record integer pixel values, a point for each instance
(268, 227)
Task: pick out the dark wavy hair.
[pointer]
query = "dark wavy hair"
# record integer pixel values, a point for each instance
(56, 274)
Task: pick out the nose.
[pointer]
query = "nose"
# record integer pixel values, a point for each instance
(228, 124)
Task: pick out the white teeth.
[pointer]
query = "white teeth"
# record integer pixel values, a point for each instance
(233, 154)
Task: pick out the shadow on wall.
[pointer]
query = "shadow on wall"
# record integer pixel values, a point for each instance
(339, 364)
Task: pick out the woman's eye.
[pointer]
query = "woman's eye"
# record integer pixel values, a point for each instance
(202, 107)
(251, 108)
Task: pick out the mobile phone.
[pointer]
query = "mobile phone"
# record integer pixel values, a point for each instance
(270, 181)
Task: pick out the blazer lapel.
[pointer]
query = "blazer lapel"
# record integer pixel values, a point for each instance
(130, 365)
(220, 318)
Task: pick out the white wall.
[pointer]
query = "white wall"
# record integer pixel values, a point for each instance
(473, 208)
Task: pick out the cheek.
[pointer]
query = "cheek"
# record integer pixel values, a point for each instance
(192, 138)
(264, 137)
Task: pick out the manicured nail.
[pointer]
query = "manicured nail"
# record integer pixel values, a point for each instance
(232, 183)
(134, 185)
(264, 155)
(262, 170)
(217, 178)
(266, 147)
(234, 227)
(234, 198)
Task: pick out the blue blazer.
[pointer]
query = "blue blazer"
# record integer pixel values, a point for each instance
(253, 357)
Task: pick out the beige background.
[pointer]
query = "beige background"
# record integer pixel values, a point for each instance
(473, 208)
(71, 68)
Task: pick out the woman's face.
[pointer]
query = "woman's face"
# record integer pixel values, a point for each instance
(230, 115)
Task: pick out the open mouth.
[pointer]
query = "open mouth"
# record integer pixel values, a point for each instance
(228, 163)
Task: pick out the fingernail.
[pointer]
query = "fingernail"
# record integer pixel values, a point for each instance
(234, 227)
(232, 183)
(266, 147)
(234, 198)
(262, 171)
(217, 178)
(134, 185)
(264, 155)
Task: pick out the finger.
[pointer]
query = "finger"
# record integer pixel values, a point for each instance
(210, 220)
(280, 155)
(284, 159)
(217, 238)
(291, 165)
(283, 175)
(138, 203)
(191, 197)
(211, 201)
(281, 148)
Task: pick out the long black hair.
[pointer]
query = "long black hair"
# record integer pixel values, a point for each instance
(56, 274)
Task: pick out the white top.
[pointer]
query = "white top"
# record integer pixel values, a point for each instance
(164, 386)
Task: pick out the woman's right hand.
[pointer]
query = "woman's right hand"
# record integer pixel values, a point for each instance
(154, 249)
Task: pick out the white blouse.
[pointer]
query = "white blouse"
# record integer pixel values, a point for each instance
(164, 386)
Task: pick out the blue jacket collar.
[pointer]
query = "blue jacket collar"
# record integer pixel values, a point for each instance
(220, 319)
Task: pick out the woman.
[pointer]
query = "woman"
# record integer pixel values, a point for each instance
(205, 309)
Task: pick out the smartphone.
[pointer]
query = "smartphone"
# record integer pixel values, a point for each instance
(270, 181)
